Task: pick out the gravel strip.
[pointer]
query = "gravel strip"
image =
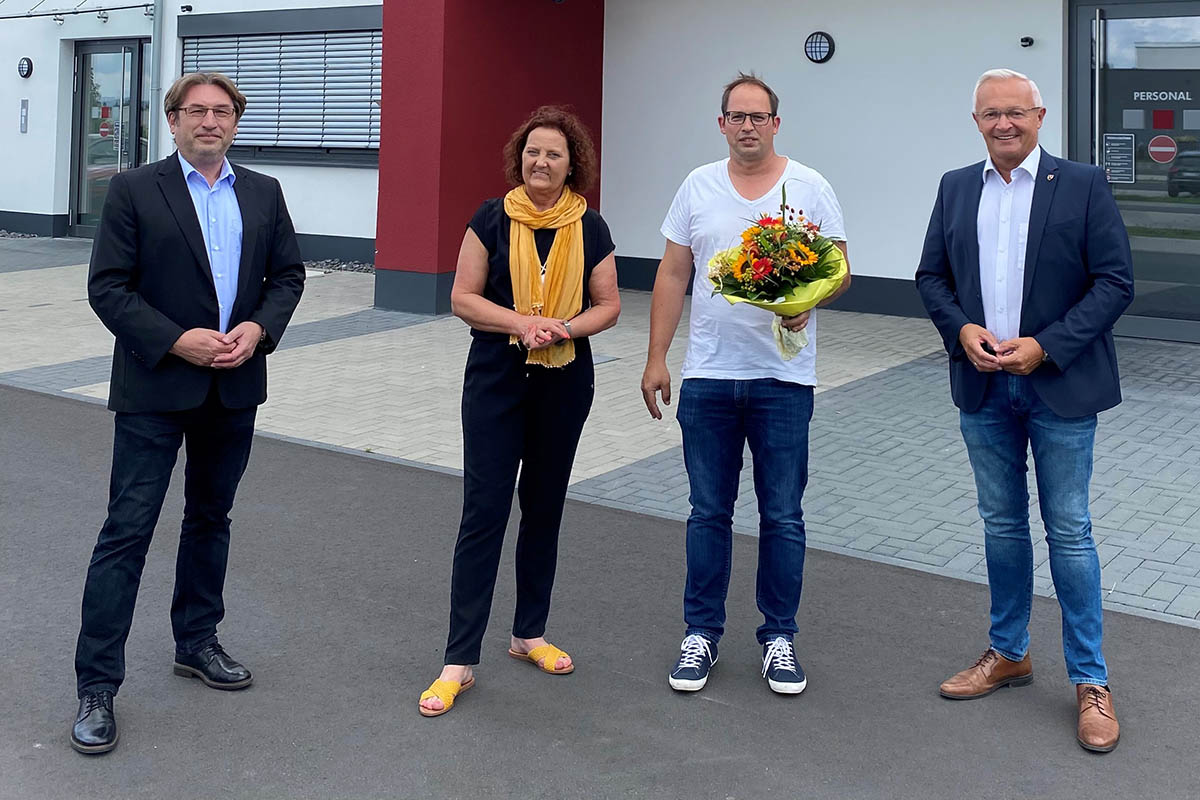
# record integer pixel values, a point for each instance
(14, 235)
(335, 265)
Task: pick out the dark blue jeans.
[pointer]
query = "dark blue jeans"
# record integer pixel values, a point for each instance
(144, 450)
(1011, 420)
(718, 418)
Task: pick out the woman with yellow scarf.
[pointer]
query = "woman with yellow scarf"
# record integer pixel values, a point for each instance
(536, 277)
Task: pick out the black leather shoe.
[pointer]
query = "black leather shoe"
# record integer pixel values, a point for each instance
(95, 729)
(213, 666)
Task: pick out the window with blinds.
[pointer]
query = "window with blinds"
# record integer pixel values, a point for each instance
(315, 92)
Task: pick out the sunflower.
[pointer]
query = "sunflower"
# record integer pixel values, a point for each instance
(801, 256)
(740, 264)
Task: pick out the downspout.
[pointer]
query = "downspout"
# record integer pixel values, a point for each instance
(156, 68)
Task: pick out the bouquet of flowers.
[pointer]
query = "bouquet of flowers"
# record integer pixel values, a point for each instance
(783, 264)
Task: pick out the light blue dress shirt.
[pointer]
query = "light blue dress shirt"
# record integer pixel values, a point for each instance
(1003, 230)
(221, 223)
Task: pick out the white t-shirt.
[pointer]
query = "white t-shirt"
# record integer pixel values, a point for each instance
(728, 341)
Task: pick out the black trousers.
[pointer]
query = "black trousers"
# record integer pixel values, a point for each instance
(513, 416)
(145, 446)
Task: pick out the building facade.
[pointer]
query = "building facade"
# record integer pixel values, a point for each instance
(88, 87)
(390, 148)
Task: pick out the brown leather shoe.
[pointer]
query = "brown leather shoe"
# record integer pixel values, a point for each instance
(1098, 729)
(991, 672)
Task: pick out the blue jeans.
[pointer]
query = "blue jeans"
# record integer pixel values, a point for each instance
(1011, 419)
(718, 418)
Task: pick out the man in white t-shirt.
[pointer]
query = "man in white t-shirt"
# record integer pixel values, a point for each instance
(737, 388)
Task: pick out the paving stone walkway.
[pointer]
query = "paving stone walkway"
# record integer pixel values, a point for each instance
(890, 479)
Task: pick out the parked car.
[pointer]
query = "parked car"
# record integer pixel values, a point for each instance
(1184, 174)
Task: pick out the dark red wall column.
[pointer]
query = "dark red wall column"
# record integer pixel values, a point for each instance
(458, 77)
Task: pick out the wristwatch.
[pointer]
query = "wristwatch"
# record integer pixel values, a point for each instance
(1046, 359)
(567, 325)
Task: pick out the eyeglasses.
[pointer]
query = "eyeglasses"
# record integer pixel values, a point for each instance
(758, 118)
(1013, 114)
(200, 112)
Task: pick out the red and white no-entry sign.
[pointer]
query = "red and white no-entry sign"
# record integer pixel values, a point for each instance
(1162, 149)
(106, 129)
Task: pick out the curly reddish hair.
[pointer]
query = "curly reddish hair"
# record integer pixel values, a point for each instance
(579, 147)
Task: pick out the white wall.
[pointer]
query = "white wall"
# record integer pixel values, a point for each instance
(334, 201)
(322, 200)
(882, 120)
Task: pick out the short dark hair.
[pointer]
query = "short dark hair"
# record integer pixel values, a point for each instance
(183, 85)
(579, 146)
(753, 80)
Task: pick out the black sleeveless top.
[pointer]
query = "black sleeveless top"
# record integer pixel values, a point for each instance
(491, 225)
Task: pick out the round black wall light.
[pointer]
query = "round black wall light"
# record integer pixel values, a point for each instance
(818, 47)
(25, 67)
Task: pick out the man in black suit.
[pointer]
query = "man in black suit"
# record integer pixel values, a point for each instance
(196, 271)
(1026, 267)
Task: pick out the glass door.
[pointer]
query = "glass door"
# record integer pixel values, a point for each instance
(110, 121)
(1137, 114)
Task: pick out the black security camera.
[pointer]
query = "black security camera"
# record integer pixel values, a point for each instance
(1026, 41)
(185, 9)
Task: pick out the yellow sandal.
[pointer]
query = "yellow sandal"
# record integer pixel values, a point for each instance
(445, 691)
(550, 653)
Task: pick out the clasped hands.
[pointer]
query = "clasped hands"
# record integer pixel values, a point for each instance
(208, 348)
(1019, 356)
(538, 332)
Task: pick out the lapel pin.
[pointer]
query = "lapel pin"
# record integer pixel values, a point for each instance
(1050, 177)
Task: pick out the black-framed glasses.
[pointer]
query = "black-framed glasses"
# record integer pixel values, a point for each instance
(200, 112)
(757, 118)
(1013, 114)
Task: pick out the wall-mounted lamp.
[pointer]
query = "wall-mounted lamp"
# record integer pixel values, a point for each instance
(59, 19)
(1026, 41)
(185, 9)
(102, 16)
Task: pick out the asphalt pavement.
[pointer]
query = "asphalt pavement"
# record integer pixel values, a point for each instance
(336, 598)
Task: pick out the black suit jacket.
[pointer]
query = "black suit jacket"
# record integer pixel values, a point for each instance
(150, 281)
(1078, 281)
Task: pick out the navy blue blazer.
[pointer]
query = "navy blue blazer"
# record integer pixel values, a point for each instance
(1078, 281)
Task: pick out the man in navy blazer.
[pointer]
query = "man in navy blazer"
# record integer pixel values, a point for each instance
(196, 271)
(1025, 268)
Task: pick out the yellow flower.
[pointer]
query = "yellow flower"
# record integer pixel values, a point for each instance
(801, 255)
(739, 265)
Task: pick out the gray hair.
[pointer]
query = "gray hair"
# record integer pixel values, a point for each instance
(1005, 74)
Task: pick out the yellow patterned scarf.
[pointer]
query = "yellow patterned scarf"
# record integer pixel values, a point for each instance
(560, 296)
